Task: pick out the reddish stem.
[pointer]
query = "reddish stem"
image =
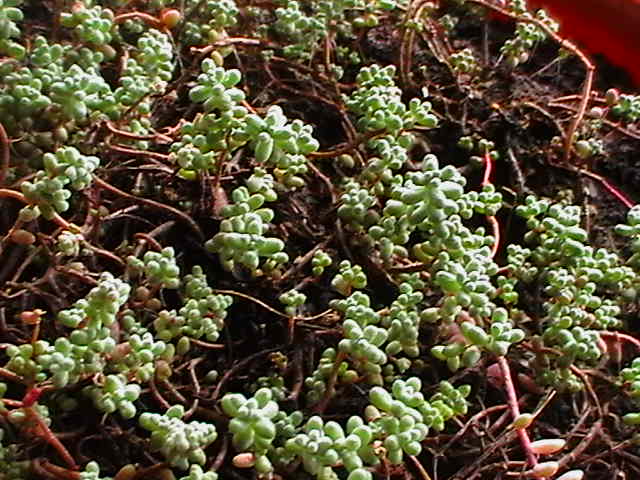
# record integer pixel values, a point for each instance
(512, 399)
(611, 189)
(43, 431)
(495, 226)
(31, 397)
(488, 169)
(4, 161)
(135, 136)
(621, 336)
(6, 193)
(331, 385)
(54, 471)
(9, 375)
(145, 17)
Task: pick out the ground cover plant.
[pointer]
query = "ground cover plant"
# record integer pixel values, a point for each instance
(321, 239)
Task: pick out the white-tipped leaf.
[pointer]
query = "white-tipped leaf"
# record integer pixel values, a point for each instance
(547, 446)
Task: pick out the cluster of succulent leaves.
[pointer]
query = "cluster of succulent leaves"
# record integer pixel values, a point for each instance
(305, 24)
(630, 379)
(180, 443)
(241, 240)
(207, 20)
(46, 193)
(84, 352)
(399, 420)
(139, 327)
(518, 49)
(584, 287)
(202, 312)
(11, 468)
(627, 107)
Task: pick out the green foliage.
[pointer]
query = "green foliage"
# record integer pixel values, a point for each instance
(11, 468)
(363, 338)
(180, 443)
(84, 351)
(403, 322)
(528, 35)
(348, 277)
(202, 141)
(398, 420)
(47, 193)
(403, 416)
(216, 87)
(292, 300)
(316, 384)
(322, 445)
(136, 358)
(69, 243)
(252, 425)
(213, 123)
(378, 103)
(241, 239)
(146, 71)
(159, 268)
(92, 25)
(355, 203)
(630, 380)
(91, 472)
(115, 394)
(627, 107)
(320, 261)
(213, 17)
(203, 310)
(584, 287)
(304, 24)
(202, 313)
(464, 61)
(631, 230)
(280, 144)
(196, 473)
(10, 15)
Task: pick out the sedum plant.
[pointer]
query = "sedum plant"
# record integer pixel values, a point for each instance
(216, 88)
(208, 20)
(398, 420)
(69, 243)
(202, 313)
(12, 469)
(629, 378)
(159, 268)
(203, 310)
(115, 394)
(92, 25)
(584, 286)
(181, 444)
(316, 383)
(319, 262)
(252, 425)
(517, 50)
(213, 106)
(241, 240)
(378, 103)
(281, 144)
(10, 15)
(146, 72)
(624, 106)
(349, 277)
(322, 446)
(47, 194)
(293, 300)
